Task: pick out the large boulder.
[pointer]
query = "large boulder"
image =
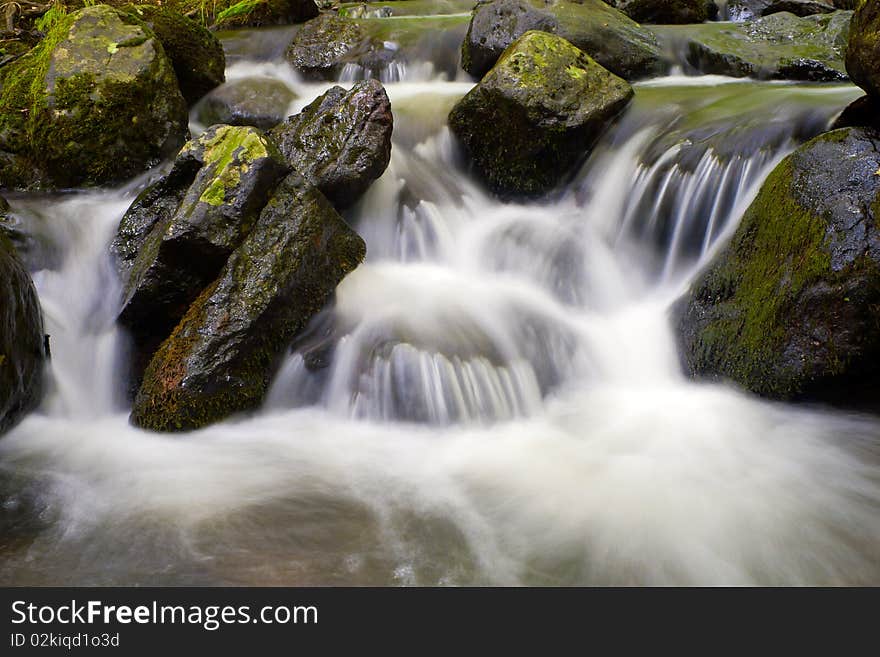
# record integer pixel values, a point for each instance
(323, 46)
(791, 308)
(536, 113)
(234, 13)
(220, 358)
(610, 37)
(780, 46)
(260, 102)
(341, 142)
(96, 101)
(195, 52)
(799, 7)
(179, 232)
(664, 11)
(22, 343)
(863, 54)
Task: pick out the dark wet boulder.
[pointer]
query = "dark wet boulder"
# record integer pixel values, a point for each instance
(260, 102)
(233, 13)
(791, 308)
(607, 35)
(536, 113)
(22, 343)
(742, 10)
(799, 7)
(863, 112)
(664, 11)
(178, 233)
(863, 54)
(195, 52)
(341, 142)
(221, 357)
(321, 47)
(780, 46)
(96, 101)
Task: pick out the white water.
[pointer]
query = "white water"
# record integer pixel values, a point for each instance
(503, 404)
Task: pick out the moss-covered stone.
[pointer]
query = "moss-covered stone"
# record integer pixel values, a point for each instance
(341, 142)
(780, 46)
(195, 53)
(95, 102)
(863, 53)
(22, 352)
(220, 358)
(605, 34)
(669, 12)
(260, 102)
(791, 308)
(536, 113)
(179, 232)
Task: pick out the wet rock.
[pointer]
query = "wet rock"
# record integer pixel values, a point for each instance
(262, 14)
(323, 46)
(536, 113)
(863, 54)
(863, 112)
(605, 34)
(95, 102)
(22, 343)
(220, 358)
(780, 46)
(341, 142)
(790, 308)
(664, 11)
(743, 10)
(196, 54)
(179, 232)
(259, 102)
(799, 7)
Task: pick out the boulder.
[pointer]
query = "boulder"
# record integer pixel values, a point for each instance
(323, 46)
(221, 357)
(22, 343)
(743, 10)
(536, 113)
(341, 142)
(791, 308)
(863, 54)
(780, 46)
(863, 112)
(664, 11)
(234, 13)
(610, 37)
(95, 102)
(259, 102)
(179, 232)
(195, 53)
(799, 7)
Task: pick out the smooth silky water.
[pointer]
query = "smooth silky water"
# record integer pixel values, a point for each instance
(493, 398)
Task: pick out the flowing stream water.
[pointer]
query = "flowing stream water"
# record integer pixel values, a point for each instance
(495, 396)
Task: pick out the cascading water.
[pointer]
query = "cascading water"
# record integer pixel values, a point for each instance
(494, 396)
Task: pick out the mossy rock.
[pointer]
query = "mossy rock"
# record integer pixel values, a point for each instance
(259, 102)
(341, 142)
(536, 113)
(95, 102)
(221, 358)
(799, 7)
(670, 12)
(863, 54)
(780, 46)
(607, 35)
(22, 343)
(791, 308)
(227, 14)
(195, 53)
(179, 232)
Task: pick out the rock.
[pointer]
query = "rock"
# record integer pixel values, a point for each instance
(195, 53)
(341, 142)
(743, 10)
(863, 112)
(22, 343)
(781, 46)
(790, 308)
(323, 46)
(95, 102)
(664, 11)
(799, 7)
(536, 113)
(179, 232)
(263, 14)
(220, 358)
(260, 102)
(605, 34)
(863, 54)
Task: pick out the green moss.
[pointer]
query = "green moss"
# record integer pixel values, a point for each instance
(229, 153)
